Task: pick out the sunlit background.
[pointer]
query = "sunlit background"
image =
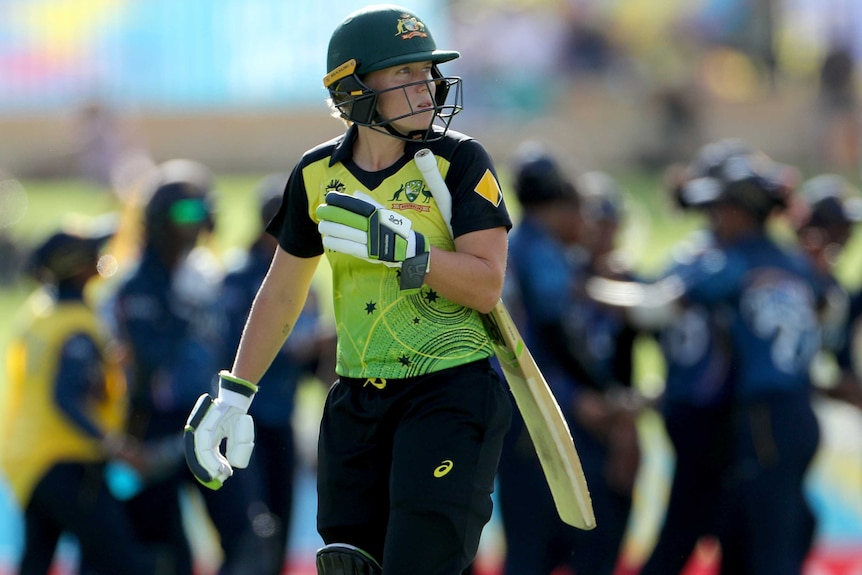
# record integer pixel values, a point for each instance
(93, 92)
(613, 75)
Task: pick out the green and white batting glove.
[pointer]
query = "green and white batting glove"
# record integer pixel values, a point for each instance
(213, 420)
(357, 225)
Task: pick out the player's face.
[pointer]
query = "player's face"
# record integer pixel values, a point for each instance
(407, 90)
(729, 222)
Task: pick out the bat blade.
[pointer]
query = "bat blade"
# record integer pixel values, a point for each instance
(541, 412)
(544, 421)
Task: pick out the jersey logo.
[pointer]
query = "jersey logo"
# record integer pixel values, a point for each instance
(411, 190)
(334, 186)
(444, 468)
(409, 26)
(489, 189)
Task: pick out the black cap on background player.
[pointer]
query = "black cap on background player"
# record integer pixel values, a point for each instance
(71, 251)
(181, 196)
(830, 200)
(740, 176)
(538, 178)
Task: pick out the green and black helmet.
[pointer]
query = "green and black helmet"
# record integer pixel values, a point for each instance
(378, 37)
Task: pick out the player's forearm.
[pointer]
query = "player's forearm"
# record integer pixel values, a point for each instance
(466, 279)
(269, 323)
(273, 314)
(473, 274)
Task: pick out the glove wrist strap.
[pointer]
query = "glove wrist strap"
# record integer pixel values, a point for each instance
(235, 391)
(413, 271)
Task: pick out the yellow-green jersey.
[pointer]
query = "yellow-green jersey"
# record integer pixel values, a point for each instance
(35, 432)
(383, 331)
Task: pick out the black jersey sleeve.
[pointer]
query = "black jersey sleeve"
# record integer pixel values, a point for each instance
(292, 225)
(470, 176)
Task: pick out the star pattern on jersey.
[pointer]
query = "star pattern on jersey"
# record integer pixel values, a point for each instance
(430, 296)
(416, 321)
(370, 307)
(404, 360)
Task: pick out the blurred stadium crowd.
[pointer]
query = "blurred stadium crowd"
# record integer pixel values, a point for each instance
(615, 81)
(746, 111)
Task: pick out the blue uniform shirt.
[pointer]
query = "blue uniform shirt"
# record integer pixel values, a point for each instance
(844, 353)
(695, 346)
(173, 342)
(771, 298)
(79, 372)
(545, 280)
(275, 402)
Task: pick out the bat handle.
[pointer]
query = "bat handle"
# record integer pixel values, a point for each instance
(427, 164)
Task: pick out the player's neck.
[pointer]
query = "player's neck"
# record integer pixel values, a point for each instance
(374, 151)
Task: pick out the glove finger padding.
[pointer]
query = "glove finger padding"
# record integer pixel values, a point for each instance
(240, 441)
(354, 249)
(212, 421)
(363, 224)
(334, 230)
(346, 240)
(201, 441)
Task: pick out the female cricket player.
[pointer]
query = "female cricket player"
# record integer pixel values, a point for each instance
(412, 429)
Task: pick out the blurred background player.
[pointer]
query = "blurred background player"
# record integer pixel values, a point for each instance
(836, 141)
(604, 423)
(607, 339)
(539, 285)
(309, 352)
(695, 404)
(64, 414)
(166, 316)
(827, 210)
(549, 258)
(771, 300)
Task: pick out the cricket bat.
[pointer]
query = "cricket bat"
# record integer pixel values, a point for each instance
(541, 412)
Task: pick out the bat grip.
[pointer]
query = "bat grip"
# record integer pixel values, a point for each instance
(427, 164)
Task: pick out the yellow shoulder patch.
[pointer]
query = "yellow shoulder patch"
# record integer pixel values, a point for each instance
(489, 189)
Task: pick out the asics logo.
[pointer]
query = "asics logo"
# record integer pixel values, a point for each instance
(445, 467)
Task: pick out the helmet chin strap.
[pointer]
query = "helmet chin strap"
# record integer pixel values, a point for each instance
(378, 121)
(413, 135)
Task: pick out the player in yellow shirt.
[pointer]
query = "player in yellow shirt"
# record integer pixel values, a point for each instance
(64, 409)
(412, 429)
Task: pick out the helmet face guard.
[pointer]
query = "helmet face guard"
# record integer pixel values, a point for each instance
(378, 37)
(357, 103)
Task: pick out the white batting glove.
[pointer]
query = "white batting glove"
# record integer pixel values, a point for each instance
(359, 226)
(213, 420)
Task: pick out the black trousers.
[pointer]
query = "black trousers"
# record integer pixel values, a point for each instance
(406, 467)
(702, 439)
(73, 498)
(771, 523)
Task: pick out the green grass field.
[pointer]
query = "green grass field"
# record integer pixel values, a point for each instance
(651, 229)
(649, 232)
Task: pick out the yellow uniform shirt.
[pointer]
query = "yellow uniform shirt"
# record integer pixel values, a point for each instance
(34, 433)
(384, 332)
